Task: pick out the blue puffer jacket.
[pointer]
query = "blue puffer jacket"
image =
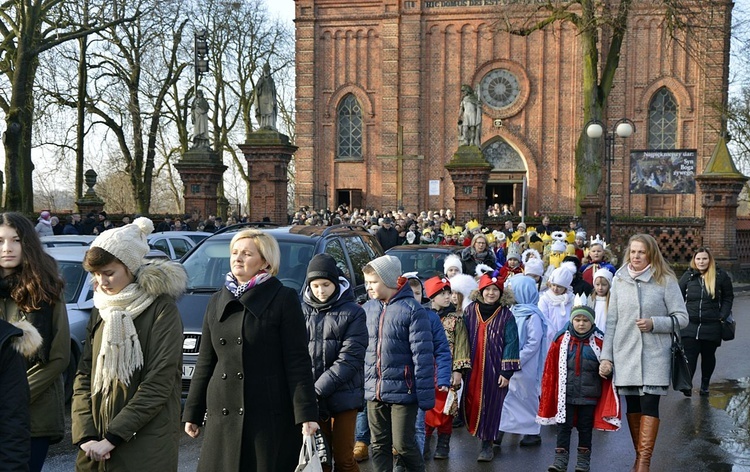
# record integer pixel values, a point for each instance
(399, 365)
(337, 340)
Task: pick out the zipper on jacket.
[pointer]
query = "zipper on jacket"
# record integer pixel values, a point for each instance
(700, 309)
(377, 353)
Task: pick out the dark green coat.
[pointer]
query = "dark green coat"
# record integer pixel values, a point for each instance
(253, 381)
(146, 413)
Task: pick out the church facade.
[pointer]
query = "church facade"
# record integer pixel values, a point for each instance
(379, 87)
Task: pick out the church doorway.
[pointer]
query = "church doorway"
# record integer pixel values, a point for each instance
(505, 184)
(351, 197)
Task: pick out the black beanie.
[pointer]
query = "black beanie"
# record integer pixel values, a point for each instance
(323, 266)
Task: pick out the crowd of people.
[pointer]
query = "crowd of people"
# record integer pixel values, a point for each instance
(525, 327)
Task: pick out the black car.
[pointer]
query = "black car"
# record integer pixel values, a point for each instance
(207, 265)
(424, 259)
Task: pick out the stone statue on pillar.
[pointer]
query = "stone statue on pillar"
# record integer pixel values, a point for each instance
(470, 118)
(266, 107)
(199, 117)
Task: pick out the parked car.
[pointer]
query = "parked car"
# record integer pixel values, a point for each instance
(67, 240)
(79, 301)
(176, 243)
(208, 263)
(424, 259)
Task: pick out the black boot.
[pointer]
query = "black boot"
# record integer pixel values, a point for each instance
(530, 440)
(499, 439)
(486, 454)
(443, 448)
(704, 387)
(561, 461)
(583, 461)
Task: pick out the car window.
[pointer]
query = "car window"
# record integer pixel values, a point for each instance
(180, 246)
(293, 265)
(336, 250)
(162, 245)
(359, 256)
(73, 275)
(425, 263)
(372, 249)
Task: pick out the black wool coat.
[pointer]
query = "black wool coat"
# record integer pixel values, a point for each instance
(253, 381)
(15, 433)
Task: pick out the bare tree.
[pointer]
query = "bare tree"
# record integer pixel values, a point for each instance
(28, 29)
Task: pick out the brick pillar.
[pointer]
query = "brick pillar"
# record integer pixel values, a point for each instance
(469, 172)
(720, 186)
(268, 154)
(201, 171)
(90, 202)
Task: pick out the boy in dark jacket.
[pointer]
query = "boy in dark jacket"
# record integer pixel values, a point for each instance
(399, 365)
(572, 370)
(337, 340)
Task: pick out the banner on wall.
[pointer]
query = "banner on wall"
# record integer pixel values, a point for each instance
(662, 171)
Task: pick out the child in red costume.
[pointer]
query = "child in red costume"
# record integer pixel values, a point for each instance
(573, 393)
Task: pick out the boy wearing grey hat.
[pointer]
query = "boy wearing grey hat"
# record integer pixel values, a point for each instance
(399, 365)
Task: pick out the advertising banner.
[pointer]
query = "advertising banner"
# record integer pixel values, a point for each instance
(662, 171)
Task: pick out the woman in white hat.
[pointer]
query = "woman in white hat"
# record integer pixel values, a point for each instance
(126, 400)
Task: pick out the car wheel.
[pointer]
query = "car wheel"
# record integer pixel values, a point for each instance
(69, 375)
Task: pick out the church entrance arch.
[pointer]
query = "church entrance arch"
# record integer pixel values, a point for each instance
(505, 183)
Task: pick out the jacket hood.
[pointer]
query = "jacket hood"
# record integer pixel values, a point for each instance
(163, 278)
(346, 294)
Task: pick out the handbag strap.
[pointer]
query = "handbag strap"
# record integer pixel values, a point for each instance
(675, 333)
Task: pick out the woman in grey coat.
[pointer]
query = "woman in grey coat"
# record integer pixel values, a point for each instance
(644, 300)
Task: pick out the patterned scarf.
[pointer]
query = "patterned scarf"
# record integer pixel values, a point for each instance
(237, 289)
(120, 353)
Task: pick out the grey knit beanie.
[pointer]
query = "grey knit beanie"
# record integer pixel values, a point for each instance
(388, 269)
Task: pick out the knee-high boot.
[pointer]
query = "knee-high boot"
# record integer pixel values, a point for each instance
(647, 438)
(634, 424)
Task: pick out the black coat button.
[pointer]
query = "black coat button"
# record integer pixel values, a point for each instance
(222, 341)
(239, 340)
(224, 376)
(242, 411)
(224, 412)
(240, 376)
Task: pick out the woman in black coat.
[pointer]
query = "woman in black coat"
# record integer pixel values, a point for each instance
(708, 297)
(337, 334)
(253, 379)
(478, 252)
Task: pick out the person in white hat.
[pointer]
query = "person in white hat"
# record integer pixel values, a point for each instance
(126, 399)
(600, 300)
(557, 302)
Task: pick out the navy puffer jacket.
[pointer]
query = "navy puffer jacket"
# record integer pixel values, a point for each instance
(337, 340)
(399, 365)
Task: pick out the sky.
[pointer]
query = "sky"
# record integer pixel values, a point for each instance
(284, 9)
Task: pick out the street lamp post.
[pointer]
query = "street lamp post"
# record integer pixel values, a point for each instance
(201, 53)
(623, 128)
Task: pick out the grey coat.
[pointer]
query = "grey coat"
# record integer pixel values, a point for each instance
(642, 358)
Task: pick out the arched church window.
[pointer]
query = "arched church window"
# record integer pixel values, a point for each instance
(662, 120)
(349, 129)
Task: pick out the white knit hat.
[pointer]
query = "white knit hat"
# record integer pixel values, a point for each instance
(452, 261)
(127, 243)
(603, 273)
(534, 267)
(559, 246)
(562, 277)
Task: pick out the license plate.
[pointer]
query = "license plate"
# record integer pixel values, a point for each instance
(187, 371)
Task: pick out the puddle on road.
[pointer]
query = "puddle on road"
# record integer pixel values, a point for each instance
(733, 396)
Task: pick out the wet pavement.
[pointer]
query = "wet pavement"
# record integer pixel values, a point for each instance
(697, 434)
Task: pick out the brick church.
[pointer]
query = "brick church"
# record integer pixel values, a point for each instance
(379, 89)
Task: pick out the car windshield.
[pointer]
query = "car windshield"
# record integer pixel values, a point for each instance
(425, 263)
(208, 265)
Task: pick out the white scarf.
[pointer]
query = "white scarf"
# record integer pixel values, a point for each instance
(557, 300)
(120, 354)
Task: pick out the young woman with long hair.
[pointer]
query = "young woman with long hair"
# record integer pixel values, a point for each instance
(31, 297)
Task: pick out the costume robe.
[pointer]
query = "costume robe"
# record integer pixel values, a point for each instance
(494, 349)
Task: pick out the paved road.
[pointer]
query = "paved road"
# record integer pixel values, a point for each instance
(698, 434)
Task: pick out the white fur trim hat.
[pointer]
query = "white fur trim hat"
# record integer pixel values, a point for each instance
(127, 243)
(452, 261)
(559, 246)
(562, 277)
(534, 267)
(603, 273)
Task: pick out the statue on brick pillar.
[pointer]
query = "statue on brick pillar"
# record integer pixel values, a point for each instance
(266, 107)
(199, 117)
(470, 118)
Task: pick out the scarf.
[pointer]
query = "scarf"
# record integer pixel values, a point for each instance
(120, 354)
(635, 273)
(557, 300)
(237, 289)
